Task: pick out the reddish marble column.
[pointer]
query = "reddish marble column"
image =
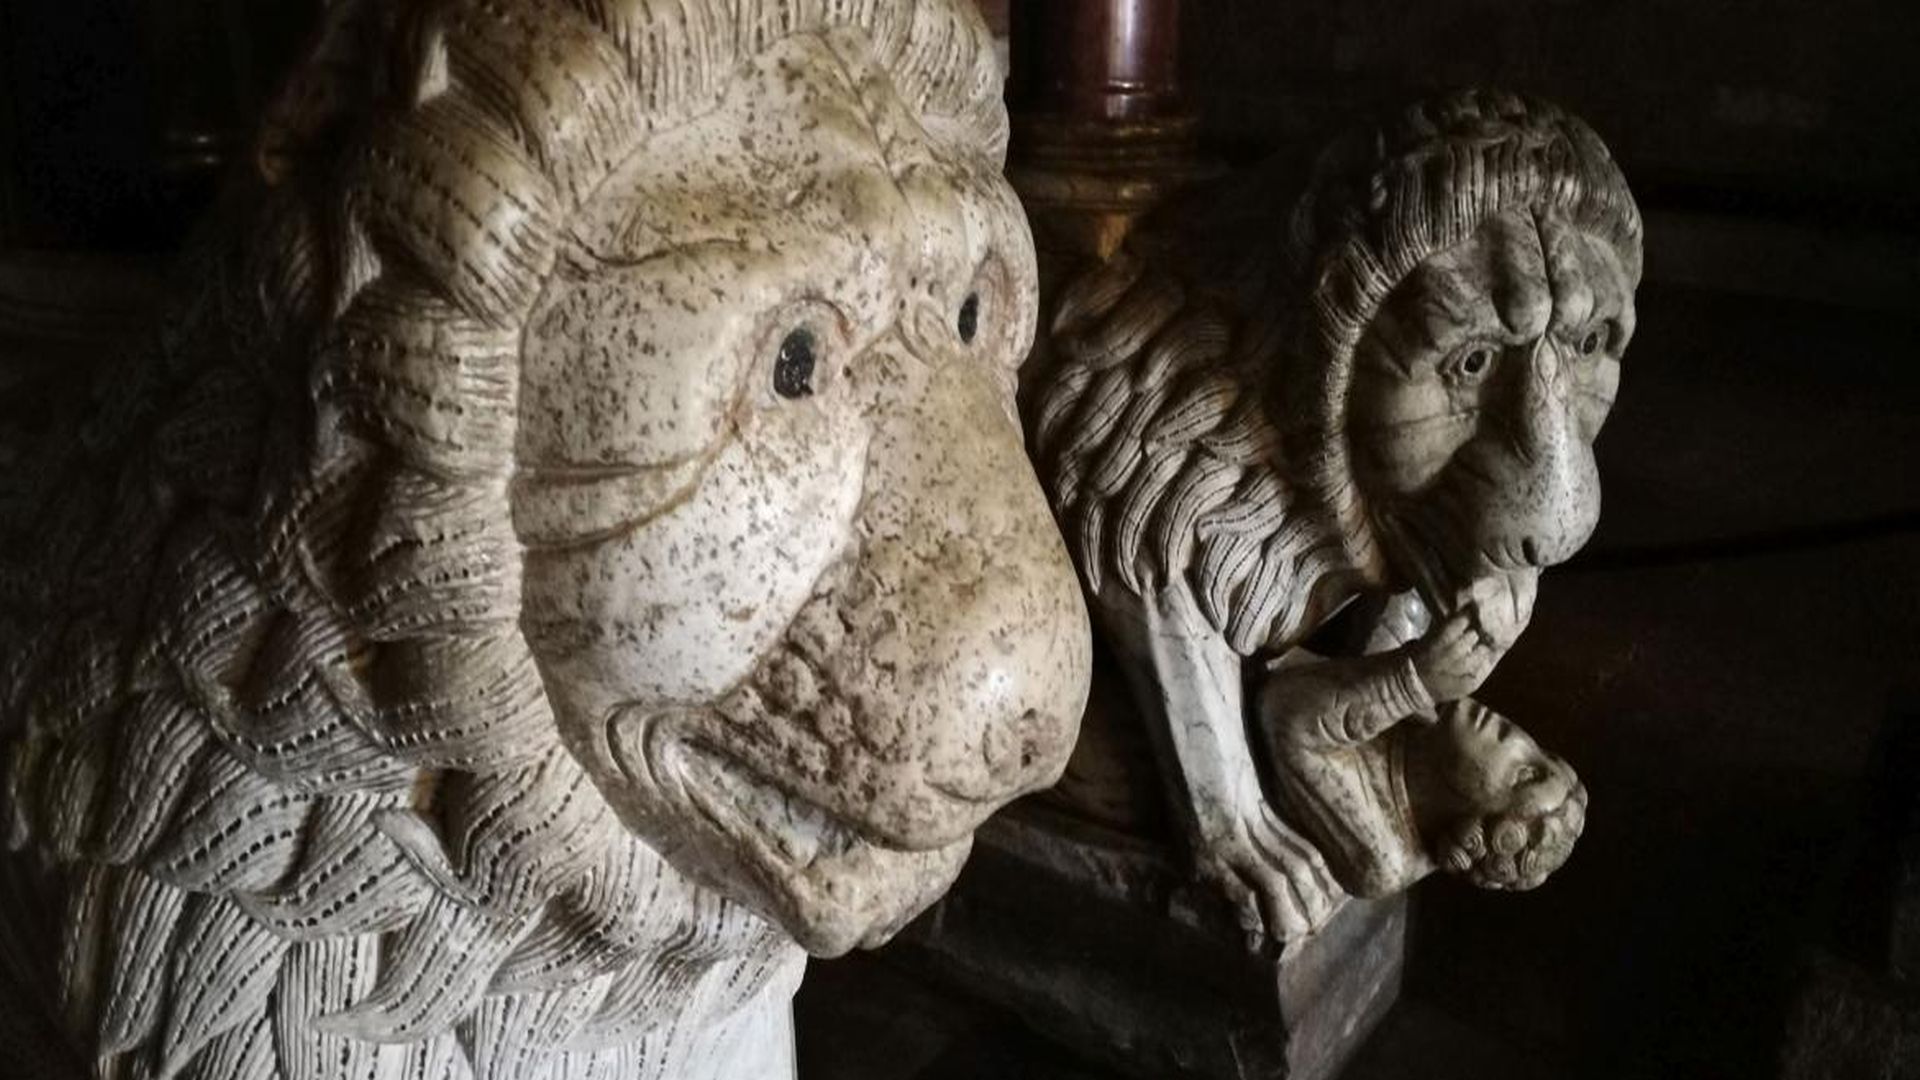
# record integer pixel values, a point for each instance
(1097, 59)
(1101, 130)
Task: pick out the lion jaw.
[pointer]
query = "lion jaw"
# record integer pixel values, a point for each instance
(840, 818)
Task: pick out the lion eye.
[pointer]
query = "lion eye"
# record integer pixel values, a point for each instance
(1472, 365)
(1527, 774)
(968, 323)
(1592, 342)
(793, 367)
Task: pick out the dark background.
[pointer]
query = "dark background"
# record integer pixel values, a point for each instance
(1783, 108)
(1728, 662)
(117, 117)
(1757, 105)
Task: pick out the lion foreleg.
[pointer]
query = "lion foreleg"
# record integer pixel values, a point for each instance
(1187, 681)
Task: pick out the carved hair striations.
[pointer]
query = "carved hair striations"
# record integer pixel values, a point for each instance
(1161, 460)
(1175, 440)
(271, 723)
(1385, 199)
(1507, 850)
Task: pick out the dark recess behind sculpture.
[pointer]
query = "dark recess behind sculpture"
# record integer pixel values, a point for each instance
(117, 117)
(1774, 106)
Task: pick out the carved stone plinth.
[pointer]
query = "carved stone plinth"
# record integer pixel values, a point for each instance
(1098, 939)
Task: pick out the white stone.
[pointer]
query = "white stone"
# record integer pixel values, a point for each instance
(565, 557)
(1250, 421)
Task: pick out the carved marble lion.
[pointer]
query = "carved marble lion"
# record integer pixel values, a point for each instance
(570, 542)
(1375, 403)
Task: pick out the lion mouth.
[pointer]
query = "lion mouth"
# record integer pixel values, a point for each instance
(1441, 559)
(830, 884)
(669, 752)
(835, 783)
(841, 713)
(811, 790)
(654, 751)
(785, 828)
(821, 713)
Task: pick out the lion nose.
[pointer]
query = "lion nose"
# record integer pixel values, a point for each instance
(992, 651)
(1545, 421)
(1546, 494)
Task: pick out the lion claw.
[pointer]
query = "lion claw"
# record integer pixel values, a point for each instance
(1276, 880)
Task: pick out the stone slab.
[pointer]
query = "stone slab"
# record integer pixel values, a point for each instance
(1098, 942)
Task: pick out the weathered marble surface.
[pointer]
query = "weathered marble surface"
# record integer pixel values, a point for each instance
(1344, 435)
(566, 554)
(1311, 455)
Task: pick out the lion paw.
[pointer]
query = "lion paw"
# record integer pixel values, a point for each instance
(1276, 880)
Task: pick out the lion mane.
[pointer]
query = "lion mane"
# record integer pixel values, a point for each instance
(284, 797)
(1193, 418)
(1161, 459)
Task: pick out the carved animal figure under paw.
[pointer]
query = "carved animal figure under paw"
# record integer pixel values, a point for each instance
(1395, 388)
(570, 542)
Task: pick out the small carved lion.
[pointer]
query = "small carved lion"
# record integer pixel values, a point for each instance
(1390, 396)
(570, 541)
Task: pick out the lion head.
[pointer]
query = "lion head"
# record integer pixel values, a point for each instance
(1271, 408)
(1466, 272)
(574, 517)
